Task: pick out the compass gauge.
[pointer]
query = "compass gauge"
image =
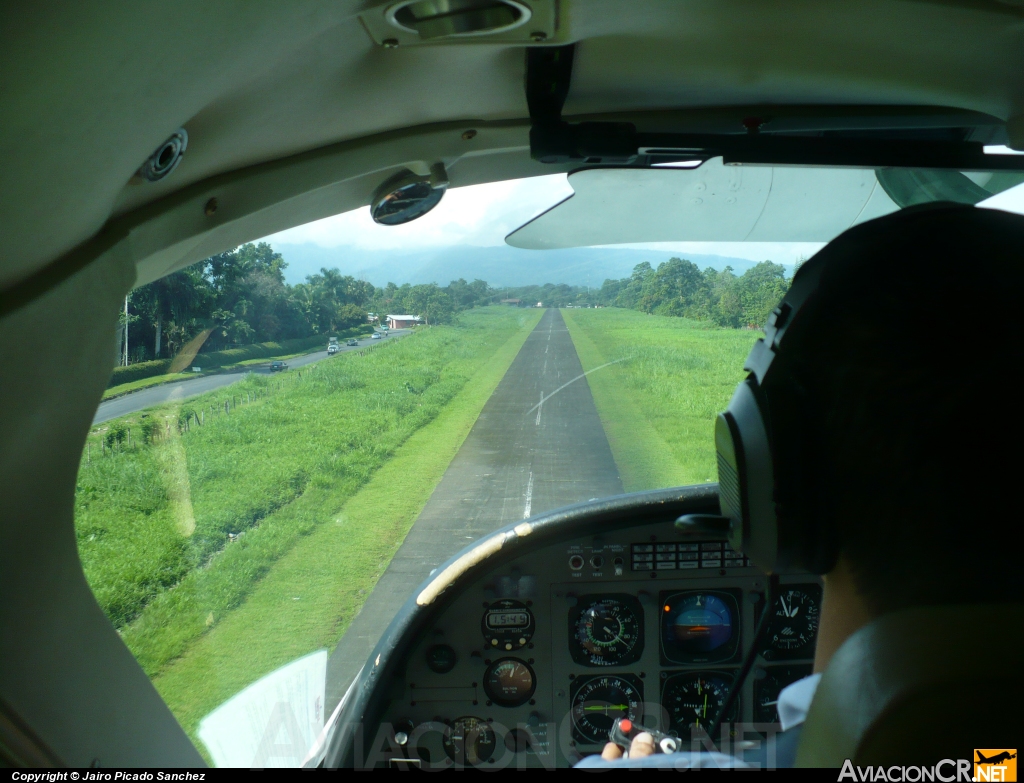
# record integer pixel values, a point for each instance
(597, 702)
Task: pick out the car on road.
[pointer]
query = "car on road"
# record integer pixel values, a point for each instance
(332, 349)
(351, 343)
(278, 366)
(376, 335)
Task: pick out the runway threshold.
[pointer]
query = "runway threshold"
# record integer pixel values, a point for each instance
(538, 444)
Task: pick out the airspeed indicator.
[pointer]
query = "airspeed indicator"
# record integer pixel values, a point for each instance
(606, 630)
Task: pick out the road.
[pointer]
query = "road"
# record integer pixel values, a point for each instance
(537, 445)
(155, 395)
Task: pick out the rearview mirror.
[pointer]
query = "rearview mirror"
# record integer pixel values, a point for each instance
(407, 196)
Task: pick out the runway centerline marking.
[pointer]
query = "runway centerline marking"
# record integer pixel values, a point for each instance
(540, 408)
(544, 399)
(529, 497)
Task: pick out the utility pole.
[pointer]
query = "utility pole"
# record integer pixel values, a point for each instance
(126, 331)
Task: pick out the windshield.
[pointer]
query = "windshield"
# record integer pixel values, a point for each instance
(299, 430)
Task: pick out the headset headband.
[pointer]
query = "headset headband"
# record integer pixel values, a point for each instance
(767, 479)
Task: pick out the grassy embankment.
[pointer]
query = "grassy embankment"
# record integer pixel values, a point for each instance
(314, 476)
(659, 400)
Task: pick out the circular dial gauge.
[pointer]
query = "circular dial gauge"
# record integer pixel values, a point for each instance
(794, 623)
(767, 689)
(469, 741)
(693, 700)
(700, 627)
(507, 625)
(509, 682)
(607, 631)
(598, 702)
(441, 658)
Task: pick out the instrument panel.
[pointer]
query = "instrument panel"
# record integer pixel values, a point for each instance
(529, 666)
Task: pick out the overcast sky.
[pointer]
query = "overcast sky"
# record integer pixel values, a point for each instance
(483, 215)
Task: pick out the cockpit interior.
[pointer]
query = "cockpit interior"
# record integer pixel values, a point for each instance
(595, 614)
(486, 524)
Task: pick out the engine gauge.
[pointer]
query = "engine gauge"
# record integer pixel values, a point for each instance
(597, 702)
(606, 630)
(469, 741)
(794, 624)
(693, 700)
(767, 689)
(509, 682)
(507, 625)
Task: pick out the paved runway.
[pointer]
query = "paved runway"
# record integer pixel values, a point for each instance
(190, 387)
(537, 445)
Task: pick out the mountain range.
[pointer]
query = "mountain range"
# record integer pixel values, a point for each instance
(499, 266)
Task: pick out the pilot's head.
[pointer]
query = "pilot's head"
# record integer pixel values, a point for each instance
(881, 429)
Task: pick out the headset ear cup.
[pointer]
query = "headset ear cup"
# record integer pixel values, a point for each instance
(746, 478)
(806, 538)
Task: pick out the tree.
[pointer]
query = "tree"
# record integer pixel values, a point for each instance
(760, 289)
(677, 287)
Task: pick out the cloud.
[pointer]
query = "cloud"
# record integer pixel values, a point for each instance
(478, 215)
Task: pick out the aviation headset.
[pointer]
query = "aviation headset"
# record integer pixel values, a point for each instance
(767, 449)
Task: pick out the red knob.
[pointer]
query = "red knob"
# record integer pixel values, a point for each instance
(626, 725)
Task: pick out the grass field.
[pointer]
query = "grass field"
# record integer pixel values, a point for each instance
(153, 521)
(658, 401)
(307, 601)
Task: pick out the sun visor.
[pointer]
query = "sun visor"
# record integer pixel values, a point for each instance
(712, 203)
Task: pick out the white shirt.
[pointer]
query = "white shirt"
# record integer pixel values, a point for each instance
(795, 701)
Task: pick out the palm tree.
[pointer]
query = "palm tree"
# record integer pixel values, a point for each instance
(179, 297)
